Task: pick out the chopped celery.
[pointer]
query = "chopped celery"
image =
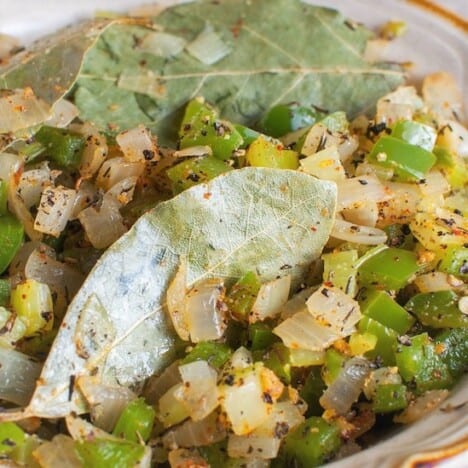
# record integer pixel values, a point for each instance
(389, 398)
(11, 238)
(135, 422)
(438, 309)
(265, 153)
(415, 133)
(242, 295)
(11, 436)
(216, 354)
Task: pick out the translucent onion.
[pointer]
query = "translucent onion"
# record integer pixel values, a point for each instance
(381, 376)
(156, 386)
(208, 47)
(12, 328)
(351, 191)
(195, 433)
(54, 210)
(454, 137)
(199, 392)
(18, 264)
(297, 303)
(162, 44)
(171, 410)
(63, 113)
(285, 415)
(400, 104)
(18, 375)
(190, 458)
(104, 226)
(193, 151)
(366, 213)
(347, 387)
(33, 182)
(325, 164)
(123, 190)
(206, 316)
(358, 234)
(86, 195)
(115, 169)
(138, 145)
(175, 301)
(57, 453)
(421, 406)
(270, 299)
(106, 402)
(80, 429)
(240, 359)
(434, 184)
(437, 281)
(249, 446)
(10, 164)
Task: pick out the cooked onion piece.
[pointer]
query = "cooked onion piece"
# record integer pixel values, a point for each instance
(175, 302)
(33, 182)
(350, 232)
(270, 299)
(57, 453)
(115, 169)
(63, 113)
(138, 145)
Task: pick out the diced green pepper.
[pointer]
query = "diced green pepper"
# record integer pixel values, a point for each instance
(277, 359)
(4, 292)
(285, 118)
(248, 135)
(103, 453)
(135, 422)
(419, 362)
(389, 269)
(399, 235)
(216, 354)
(415, 133)
(260, 336)
(361, 343)
(266, 153)
(195, 171)
(386, 340)
(336, 121)
(11, 435)
(438, 309)
(310, 444)
(11, 238)
(389, 398)
(339, 269)
(201, 126)
(62, 146)
(455, 262)
(409, 162)
(379, 306)
(454, 167)
(3, 197)
(334, 362)
(452, 346)
(242, 295)
(313, 388)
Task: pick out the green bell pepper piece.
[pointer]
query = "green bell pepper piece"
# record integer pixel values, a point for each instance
(389, 269)
(5, 290)
(419, 362)
(312, 390)
(265, 153)
(260, 336)
(104, 453)
(11, 436)
(277, 359)
(310, 444)
(242, 295)
(201, 126)
(339, 269)
(453, 347)
(399, 235)
(389, 398)
(248, 135)
(62, 146)
(135, 422)
(379, 306)
(409, 162)
(195, 171)
(334, 362)
(415, 133)
(3, 197)
(455, 262)
(216, 354)
(361, 343)
(438, 309)
(11, 238)
(454, 167)
(386, 340)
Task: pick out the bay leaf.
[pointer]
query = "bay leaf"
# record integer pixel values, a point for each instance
(280, 51)
(276, 221)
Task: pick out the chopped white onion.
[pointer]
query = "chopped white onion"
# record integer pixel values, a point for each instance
(421, 406)
(86, 195)
(365, 213)
(54, 210)
(324, 164)
(297, 303)
(157, 386)
(10, 163)
(193, 151)
(12, 328)
(80, 429)
(33, 182)
(454, 136)
(350, 232)
(171, 410)
(346, 388)
(199, 392)
(208, 47)
(351, 191)
(285, 415)
(434, 184)
(241, 359)
(436, 281)
(115, 169)
(248, 446)
(382, 173)
(63, 113)
(18, 375)
(186, 458)
(123, 190)
(399, 104)
(175, 301)
(18, 264)
(270, 299)
(381, 376)
(138, 145)
(314, 139)
(57, 453)
(206, 317)
(162, 44)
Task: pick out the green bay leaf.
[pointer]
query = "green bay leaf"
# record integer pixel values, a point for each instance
(269, 220)
(280, 51)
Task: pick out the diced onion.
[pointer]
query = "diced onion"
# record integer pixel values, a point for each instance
(436, 281)
(162, 44)
(182, 458)
(350, 232)
(86, 195)
(365, 213)
(63, 113)
(270, 299)
(208, 47)
(249, 446)
(18, 264)
(434, 184)
(123, 190)
(57, 453)
(157, 386)
(193, 151)
(399, 104)
(171, 410)
(55, 209)
(12, 328)
(346, 388)
(175, 302)
(285, 415)
(350, 191)
(33, 182)
(10, 163)
(115, 169)
(454, 136)
(138, 145)
(240, 359)
(421, 406)
(297, 303)
(80, 429)
(382, 376)
(325, 164)
(18, 375)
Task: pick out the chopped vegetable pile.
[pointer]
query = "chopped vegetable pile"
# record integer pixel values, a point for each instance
(269, 290)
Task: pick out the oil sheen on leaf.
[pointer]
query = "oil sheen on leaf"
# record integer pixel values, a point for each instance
(276, 221)
(279, 51)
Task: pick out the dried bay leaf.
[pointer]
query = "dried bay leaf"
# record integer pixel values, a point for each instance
(259, 218)
(280, 51)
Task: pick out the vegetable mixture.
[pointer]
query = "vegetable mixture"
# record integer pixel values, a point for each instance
(269, 290)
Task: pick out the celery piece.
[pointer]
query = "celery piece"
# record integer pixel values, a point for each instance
(310, 444)
(389, 269)
(4, 292)
(438, 309)
(102, 453)
(339, 269)
(379, 306)
(135, 422)
(216, 354)
(11, 238)
(242, 295)
(195, 171)
(453, 347)
(3, 197)
(266, 153)
(415, 133)
(389, 398)
(11, 436)
(260, 336)
(420, 363)
(62, 146)
(334, 362)
(312, 390)
(409, 162)
(455, 262)
(386, 340)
